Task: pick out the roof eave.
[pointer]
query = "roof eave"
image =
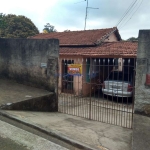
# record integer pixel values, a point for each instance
(77, 45)
(118, 35)
(101, 56)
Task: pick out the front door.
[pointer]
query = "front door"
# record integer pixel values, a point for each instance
(67, 79)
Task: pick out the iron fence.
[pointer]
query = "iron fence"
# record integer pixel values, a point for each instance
(100, 89)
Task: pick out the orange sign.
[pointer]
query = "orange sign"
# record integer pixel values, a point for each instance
(74, 68)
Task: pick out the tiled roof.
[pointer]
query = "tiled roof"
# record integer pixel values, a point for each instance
(87, 37)
(110, 49)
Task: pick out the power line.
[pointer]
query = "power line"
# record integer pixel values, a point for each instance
(127, 11)
(132, 14)
(128, 15)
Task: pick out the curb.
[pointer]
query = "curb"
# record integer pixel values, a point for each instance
(49, 135)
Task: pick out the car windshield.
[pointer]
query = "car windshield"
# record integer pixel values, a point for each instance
(119, 76)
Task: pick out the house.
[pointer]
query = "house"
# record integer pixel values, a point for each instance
(83, 55)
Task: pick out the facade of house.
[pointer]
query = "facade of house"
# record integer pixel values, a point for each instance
(86, 57)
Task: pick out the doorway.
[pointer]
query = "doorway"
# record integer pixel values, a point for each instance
(67, 79)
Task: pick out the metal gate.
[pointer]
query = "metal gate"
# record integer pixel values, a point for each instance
(100, 89)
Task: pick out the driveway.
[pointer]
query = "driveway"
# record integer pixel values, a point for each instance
(100, 109)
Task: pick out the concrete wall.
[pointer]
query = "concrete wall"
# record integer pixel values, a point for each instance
(30, 61)
(142, 90)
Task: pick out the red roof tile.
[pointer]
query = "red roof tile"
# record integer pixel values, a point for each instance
(126, 49)
(87, 37)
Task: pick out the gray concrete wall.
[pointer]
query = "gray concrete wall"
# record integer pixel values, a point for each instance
(142, 90)
(30, 61)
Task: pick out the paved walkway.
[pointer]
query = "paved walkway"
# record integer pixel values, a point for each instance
(8, 144)
(11, 92)
(98, 135)
(94, 134)
(13, 138)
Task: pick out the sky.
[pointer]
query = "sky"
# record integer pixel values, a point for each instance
(70, 14)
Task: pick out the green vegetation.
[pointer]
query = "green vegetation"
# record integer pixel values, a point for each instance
(132, 39)
(49, 28)
(2, 22)
(13, 26)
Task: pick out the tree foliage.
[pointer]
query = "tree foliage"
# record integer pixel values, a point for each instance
(2, 22)
(17, 27)
(132, 39)
(67, 30)
(49, 28)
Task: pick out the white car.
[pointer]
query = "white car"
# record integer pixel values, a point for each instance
(119, 84)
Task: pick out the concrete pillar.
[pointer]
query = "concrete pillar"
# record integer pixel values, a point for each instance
(142, 89)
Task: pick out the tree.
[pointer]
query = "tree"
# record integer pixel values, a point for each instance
(49, 28)
(67, 30)
(2, 22)
(18, 27)
(132, 39)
